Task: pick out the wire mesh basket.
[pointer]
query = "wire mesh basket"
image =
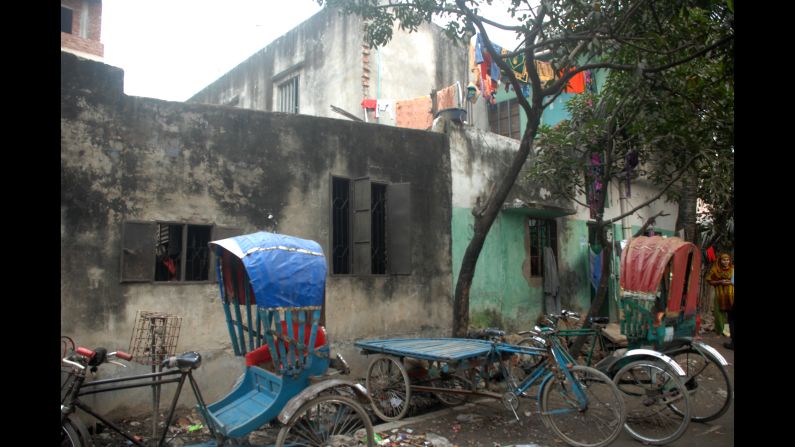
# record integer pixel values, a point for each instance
(154, 337)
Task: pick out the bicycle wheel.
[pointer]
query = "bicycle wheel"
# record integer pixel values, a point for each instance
(650, 391)
(598, 424)
(707, 383)
(388, 385)
(328, 420)
(70, 436)
(456, 382)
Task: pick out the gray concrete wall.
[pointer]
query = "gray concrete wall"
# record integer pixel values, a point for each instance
(327, 52)
(128, 158)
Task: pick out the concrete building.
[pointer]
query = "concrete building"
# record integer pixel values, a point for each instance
(324, 62)
(81, 28)
(147, 183)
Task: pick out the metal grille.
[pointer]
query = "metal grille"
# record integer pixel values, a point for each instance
(154, 337)
(378, 228)
(340, 203)
(288, 96)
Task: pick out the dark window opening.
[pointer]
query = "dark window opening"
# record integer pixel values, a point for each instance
(504, 119)
(288, 96)
(341, 222)
(66, 20)
(182, 253)
(197, 253)
(378, 224)
(543, 233)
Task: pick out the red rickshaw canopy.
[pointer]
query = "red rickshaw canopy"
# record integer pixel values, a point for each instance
(646, 259)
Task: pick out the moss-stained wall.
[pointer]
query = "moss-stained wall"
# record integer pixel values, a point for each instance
(128, 158)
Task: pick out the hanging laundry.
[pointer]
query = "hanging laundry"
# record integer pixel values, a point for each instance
(385, 106)
(414, 113)
(518, 67)
(545, 71)
(369, 103)
(710, 254)
(576, 84)
(595, 260)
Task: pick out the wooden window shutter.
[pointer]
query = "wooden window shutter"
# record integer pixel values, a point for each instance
(398, 228)
(361, 226)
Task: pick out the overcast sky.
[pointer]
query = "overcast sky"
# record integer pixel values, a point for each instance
(171, 49)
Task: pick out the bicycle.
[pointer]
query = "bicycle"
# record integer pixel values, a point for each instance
(658, 403)
(323, 418)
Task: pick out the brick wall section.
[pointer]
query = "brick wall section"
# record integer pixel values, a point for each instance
(91, 44)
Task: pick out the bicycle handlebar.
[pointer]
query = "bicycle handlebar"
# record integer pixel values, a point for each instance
(83, 356)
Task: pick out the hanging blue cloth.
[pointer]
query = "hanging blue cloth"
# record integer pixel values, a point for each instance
(595, 259)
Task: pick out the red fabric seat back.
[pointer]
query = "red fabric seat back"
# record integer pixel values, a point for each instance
(263, 355)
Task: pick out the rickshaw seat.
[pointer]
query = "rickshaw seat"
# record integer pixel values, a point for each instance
(256, 400)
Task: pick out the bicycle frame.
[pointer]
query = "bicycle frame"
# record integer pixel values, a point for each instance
(81, 388)
(545, 371)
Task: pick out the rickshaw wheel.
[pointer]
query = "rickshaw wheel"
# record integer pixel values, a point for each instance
(456, 382)
(707, 383)
(328, 420)
(598, 424)
(651, 390)
(388, 385)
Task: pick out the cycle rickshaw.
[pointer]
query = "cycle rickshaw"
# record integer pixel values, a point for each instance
(659, 294)
(272, 290)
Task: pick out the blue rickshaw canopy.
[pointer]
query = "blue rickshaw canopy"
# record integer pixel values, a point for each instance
(283, 271)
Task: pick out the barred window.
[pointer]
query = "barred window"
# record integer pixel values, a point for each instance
(288, 95)
(370, 227)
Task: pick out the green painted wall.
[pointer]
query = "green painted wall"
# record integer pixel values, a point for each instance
(500, 294)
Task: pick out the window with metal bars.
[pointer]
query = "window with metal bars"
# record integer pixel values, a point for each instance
(504, 119)
(543, 233)
(288, 95)
(370, 227)
(169, 251)
(341, 225)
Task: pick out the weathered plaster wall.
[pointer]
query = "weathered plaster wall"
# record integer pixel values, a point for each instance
(503, 293)
(128, 158)
(326, 50)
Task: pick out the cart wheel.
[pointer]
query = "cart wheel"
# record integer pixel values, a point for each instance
(456, 382)
(707, 383)
(328, 420)
(388, 385)
(651, 391)
(598, 424)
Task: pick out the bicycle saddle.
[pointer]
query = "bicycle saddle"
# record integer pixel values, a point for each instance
(600, 320)
(190, 360)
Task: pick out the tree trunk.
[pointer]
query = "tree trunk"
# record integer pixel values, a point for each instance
(484, 218)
